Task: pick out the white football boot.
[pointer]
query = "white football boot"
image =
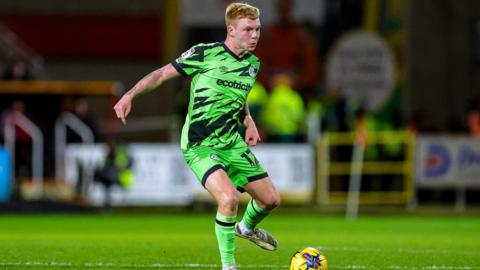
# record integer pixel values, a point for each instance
(260, 237)
(229, 267)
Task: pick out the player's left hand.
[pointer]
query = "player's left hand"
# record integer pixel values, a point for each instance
(251, 134)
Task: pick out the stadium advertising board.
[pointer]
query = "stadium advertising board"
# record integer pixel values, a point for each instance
(446, 161)
(290, 166)
(160, 176)
(163, 178)
(5, 175)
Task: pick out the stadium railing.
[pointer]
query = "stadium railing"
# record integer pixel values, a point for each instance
(326, 168)
(17, 119)
(21, 89)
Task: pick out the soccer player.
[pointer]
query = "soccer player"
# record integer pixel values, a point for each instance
(223, 74)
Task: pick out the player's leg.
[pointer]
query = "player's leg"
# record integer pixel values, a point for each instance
(222, 190)
(265, 198)
(210, 171)
(248, 174)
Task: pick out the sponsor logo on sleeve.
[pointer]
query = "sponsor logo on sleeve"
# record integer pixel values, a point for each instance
(187, 53)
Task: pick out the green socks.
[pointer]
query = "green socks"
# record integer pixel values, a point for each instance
(253, 215)
(225, 231)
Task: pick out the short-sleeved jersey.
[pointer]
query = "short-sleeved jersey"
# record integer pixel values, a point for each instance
(220, 85)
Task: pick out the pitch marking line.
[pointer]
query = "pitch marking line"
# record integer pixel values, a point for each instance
(215, 266)
(401, 250)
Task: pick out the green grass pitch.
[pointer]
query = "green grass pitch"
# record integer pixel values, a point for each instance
(187, 241)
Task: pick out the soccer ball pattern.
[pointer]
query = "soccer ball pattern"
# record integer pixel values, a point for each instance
(308, 259)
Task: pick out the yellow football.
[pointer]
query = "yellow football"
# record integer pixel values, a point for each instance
(308, 258)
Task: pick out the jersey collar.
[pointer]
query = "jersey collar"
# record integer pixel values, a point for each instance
(245, 56)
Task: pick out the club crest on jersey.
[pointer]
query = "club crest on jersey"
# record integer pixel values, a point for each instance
(251, 72)
(214, 157)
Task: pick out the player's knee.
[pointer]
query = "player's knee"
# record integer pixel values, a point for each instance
(229, 200)
(276, 201)
(272, 202)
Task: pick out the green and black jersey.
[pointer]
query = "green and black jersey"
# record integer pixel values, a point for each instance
(220, 84)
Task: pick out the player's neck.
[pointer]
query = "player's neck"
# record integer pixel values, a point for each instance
(231, 46)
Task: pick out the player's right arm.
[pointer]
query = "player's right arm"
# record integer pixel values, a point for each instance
(148, 83)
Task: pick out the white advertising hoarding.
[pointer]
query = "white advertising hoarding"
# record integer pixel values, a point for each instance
(290, 165)
(447, 161)
(162, 177)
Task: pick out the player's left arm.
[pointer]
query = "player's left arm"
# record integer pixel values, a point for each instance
(252, 137)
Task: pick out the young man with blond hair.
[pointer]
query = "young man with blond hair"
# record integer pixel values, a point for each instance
(222, 76)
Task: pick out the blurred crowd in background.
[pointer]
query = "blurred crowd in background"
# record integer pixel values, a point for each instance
(290, 92)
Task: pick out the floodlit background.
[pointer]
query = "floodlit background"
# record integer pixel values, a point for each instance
(367, 109)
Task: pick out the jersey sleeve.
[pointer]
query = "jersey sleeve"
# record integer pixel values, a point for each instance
(190, 62)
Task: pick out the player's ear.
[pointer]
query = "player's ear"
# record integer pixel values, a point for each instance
(230, 30)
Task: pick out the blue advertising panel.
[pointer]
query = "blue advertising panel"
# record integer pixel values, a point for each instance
(447, 161)
(5, 175)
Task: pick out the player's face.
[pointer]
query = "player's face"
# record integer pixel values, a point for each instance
(246, 32)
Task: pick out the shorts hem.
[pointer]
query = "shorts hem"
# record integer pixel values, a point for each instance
(257, 177)
(210, 171)
(251, 179)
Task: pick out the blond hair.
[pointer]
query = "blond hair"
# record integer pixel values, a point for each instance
(237, 11)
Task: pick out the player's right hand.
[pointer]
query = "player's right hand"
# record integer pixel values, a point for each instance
(123, 107)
